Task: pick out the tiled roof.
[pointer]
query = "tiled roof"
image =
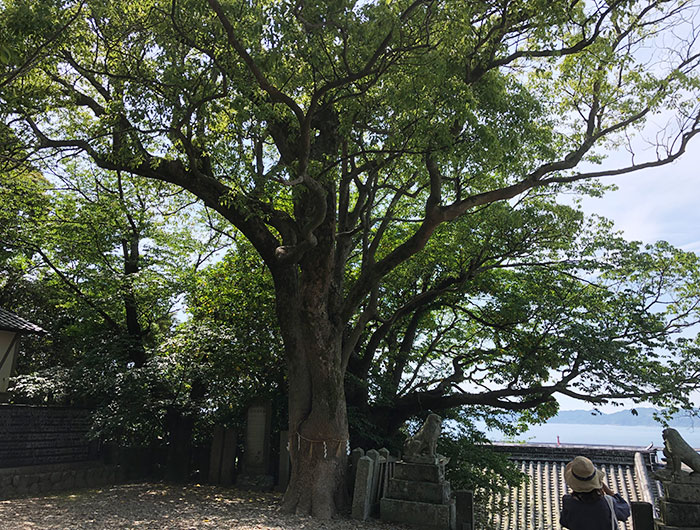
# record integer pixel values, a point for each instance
(11, 322)
(536, 504)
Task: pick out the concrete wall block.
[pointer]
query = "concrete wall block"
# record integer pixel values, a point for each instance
(419, 472)
(92, 477)
(80, 480)
(660, 526)
(689, 493)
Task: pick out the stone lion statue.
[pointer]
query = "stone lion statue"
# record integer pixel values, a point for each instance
(677, 452)
(424, 442)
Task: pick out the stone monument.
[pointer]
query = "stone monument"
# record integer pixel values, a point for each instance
(680, 505)
(418, 493)
(222, 457)
(256, 459)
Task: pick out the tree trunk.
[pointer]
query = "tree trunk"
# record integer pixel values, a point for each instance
(318, 443)
(318, 422)
(132, 266)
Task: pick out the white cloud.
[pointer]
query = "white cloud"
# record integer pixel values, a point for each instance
(656, 204)
(652, 205)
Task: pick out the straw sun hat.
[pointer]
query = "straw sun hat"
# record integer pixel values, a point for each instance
(582, 476)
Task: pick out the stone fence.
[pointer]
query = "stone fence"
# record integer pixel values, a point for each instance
(47, 449)
(31, 436)
(35, 480)
(369, 476)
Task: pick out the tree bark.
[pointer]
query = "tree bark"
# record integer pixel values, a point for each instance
(318, 438)
(307, 308)
(318, 422)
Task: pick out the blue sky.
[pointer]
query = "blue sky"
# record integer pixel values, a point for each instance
(652, 205)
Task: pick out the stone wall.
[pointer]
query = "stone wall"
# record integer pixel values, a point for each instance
(36, 480)
(47, 449)
(32, 435)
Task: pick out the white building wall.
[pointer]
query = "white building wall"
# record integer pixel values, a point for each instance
(6, 368)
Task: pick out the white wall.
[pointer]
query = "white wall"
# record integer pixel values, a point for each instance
(5, 341)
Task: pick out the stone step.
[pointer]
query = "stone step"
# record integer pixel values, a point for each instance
(423, 514)
(430, 492)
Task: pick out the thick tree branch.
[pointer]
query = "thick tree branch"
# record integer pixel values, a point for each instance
(212, 191)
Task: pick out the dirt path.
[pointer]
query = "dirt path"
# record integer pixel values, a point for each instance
(162, 507)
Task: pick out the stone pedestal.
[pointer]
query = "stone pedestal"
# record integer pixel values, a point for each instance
(419, 495)
(680, 506)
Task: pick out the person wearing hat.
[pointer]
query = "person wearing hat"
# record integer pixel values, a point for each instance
(592, 505)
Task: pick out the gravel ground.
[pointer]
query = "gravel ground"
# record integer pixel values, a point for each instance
(163, 507)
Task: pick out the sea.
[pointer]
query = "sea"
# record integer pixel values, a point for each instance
(584, 434)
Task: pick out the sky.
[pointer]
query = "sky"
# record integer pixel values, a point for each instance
(655, 204)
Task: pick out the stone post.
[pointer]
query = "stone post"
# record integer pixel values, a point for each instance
(257, 438)
(374, 485)
(642, 516)
(256, 460)
(355, 456)
(465, 510)
(373, 454)
(284, 462)
(361, 499)
(217, 448)
(228, 457)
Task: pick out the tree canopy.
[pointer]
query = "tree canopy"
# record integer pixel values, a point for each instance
(394, 164)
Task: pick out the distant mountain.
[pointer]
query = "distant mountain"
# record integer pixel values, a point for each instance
(644, 417)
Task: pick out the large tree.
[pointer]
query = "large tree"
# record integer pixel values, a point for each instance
(341, 137)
